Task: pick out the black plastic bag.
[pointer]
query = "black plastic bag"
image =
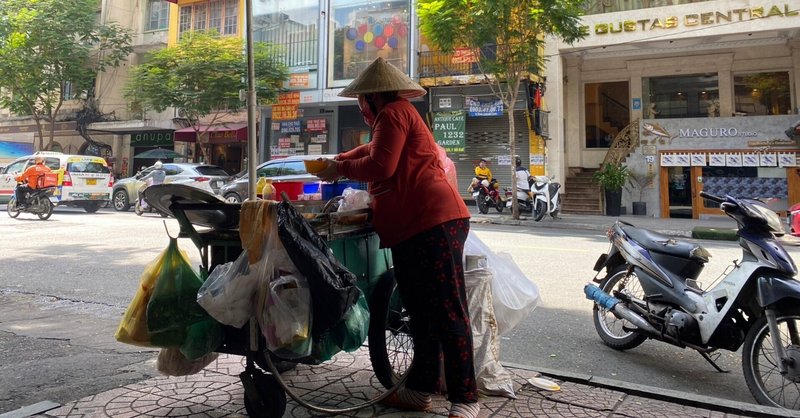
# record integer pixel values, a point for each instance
(333, 287)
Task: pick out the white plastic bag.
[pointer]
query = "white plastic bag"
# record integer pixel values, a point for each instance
(491, 378)
(514, 296)
(286, 317)
(229, 292)
(353, 199)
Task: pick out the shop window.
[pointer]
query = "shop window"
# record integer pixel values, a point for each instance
(363, 31)
(607, 112)
(762, 94)
(688, 96)
(219, 15)
(295, 27)
(157, 15)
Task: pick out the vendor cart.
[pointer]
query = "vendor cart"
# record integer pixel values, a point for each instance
(212, 226)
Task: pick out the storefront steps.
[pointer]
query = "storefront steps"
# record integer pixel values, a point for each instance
(581, 194)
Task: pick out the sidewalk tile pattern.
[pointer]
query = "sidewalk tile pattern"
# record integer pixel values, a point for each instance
(348, 380)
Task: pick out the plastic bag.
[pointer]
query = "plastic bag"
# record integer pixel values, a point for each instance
(514, 296)
(286, 317)
(353, 199)
(173, 307)
(347, 335)
(333, 287)
(449, 167)
(490, 376)
(172, 363)
(229, 292)
(133, 327)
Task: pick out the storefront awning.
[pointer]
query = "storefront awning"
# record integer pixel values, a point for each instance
(217, 134)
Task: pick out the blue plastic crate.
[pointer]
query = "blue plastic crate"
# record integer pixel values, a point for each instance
(331, 190)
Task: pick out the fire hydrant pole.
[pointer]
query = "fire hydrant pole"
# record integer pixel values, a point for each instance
(252, 149)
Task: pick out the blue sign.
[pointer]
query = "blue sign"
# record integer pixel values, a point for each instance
(290, 127)
(477, 107)
(637, 103)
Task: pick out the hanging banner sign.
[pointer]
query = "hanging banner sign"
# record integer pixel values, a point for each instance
(478, 107)
(448, 130)
(290, 127)
(284, 112)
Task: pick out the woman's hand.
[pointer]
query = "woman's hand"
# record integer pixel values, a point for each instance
(331, 172)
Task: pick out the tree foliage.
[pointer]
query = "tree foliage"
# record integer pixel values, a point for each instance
(508, 38)
(202, 76)
(49, 48)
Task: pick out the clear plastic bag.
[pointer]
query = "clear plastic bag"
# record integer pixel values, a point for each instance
(514, 296)
(286, 317)
(229, 292)
(353, 199)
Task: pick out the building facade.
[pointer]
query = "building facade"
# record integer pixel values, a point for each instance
(709, 89)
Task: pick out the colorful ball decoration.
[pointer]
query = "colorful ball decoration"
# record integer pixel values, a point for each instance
(396, 20)
(362, 29)
(368, 37)
(377, 29)
(388, 30)
(380, 41)
(402, 30)
(360, 45)
(393, 43)
(352, 34)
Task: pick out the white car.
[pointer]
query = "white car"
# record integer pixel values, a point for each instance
(203, 176)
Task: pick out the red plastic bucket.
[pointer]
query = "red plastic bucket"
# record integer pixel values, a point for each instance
(292, 189)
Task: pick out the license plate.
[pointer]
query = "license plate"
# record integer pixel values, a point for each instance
(91, 182)
(508, 203)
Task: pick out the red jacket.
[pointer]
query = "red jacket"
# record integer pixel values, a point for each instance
(410, 192)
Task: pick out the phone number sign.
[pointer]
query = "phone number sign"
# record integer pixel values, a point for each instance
(448, 130)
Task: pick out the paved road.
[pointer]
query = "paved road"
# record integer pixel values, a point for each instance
(92, 263)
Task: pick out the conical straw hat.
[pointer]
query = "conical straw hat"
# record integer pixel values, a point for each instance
(381, 76)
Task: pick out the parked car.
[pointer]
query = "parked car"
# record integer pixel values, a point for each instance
(280, 170)
(84, 181)
(203, 176)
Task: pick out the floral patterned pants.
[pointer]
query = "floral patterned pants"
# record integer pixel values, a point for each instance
(430, 278)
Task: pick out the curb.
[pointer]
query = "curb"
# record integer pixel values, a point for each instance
(666, 395)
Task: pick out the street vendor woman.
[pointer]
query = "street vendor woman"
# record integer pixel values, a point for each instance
(426, 238)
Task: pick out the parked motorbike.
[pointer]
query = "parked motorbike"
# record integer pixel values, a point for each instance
(543, 198)
(38, 203)
(546, 197)
(651, 290)
(141, 206)
(487, 194)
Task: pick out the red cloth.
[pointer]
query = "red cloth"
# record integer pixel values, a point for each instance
(32, 174)
(410, 190)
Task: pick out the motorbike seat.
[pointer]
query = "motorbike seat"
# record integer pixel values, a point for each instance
(666, 244)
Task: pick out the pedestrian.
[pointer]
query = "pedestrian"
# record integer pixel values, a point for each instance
(402, 165)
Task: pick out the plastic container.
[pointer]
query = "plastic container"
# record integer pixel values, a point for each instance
(311, 188)
(331, 190)
(265, 189)
(293, 189)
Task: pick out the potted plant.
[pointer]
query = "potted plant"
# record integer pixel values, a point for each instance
(639, 182)
(612, 178)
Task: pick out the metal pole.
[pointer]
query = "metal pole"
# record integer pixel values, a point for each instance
(252, 150)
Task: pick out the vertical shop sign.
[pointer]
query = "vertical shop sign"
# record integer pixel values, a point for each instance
(448, 130)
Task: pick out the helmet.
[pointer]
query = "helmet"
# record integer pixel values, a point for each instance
(158, 165)
(38, 159)
(518, 161)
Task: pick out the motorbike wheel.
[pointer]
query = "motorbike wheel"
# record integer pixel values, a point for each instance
(11, 207)
(608, 326)
(499, 205)
(138, 208)
(45, 209)
(390, 347)
(482, 206)
(554, 213)
(760, 366)
(539, 210)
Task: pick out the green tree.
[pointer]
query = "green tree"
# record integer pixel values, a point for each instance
(508, 37)
(51, 51)
(202, 76)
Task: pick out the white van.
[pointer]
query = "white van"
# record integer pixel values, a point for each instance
(83, 180)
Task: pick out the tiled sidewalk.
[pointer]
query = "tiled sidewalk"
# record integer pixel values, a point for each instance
(348, 380)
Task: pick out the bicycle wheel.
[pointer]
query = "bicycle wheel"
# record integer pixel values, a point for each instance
(390, 347)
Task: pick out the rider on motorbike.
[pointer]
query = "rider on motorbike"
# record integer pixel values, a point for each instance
(155, 176)
(29, 180)
(482, 172)
(523, 176)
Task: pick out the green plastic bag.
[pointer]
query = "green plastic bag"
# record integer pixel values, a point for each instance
(173, 309)
(348, 334)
